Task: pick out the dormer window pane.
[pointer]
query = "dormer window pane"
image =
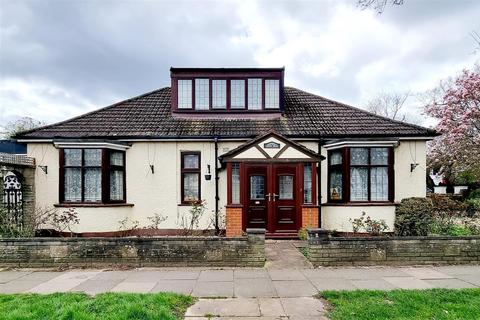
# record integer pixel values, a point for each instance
(255, 94)
(184, 94)
(272, 94)
(202, 94)
(237, 94)
(219, 94)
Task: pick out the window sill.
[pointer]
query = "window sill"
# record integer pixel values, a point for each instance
(92, 205)
(234, 206)
(359, 204)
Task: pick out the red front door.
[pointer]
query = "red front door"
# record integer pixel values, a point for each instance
(285, 197)
(271, 196)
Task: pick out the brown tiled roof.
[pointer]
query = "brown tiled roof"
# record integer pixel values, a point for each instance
(149, 115)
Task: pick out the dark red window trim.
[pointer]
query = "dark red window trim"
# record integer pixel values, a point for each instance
(345, 170)
(190, 170)
(105, 177)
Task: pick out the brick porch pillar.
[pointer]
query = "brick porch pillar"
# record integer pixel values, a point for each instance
(310, 217)
(233, 221)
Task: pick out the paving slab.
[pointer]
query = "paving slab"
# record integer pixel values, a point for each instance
(64, 282)
(177, 286)
(213, 289)
(286, 274)
(135, 287)
(254, 288)
(285, 254)
(459, 270)
(470, 278)
(305, 306)
(18, 286)
(113, 275)
(373, 284)
(146, 276)
(321, 273)
(366, 273)
(216, 275)
(295, 288)
(182, 275)
(7, 276)
(425, 273)
(333, 284)
(408, 282)
(250, 273)
(224, 308)
(40, 276)
(96, 286)
(449, 283)
(271, 307)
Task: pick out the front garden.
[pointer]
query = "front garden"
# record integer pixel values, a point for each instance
(107, 306)
(438, 304)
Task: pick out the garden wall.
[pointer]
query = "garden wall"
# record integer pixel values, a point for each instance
(327, 251)
(137, 252)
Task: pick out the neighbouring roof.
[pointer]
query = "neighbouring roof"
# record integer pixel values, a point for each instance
(149, 116)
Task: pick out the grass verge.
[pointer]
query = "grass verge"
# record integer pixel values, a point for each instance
(106, 306)
(438, 304)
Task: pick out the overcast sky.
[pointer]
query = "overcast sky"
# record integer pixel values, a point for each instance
(61, 58)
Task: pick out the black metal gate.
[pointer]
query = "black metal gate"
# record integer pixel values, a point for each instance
(13, 199)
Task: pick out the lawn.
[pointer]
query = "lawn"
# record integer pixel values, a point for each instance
(118, 306)
(437, 304)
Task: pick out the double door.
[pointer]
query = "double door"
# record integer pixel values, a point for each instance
(271, 195)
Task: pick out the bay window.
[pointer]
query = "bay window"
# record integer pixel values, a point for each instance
(92, 176)
(360, 174)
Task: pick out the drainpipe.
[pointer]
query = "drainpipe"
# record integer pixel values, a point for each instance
(217, 229)
(319, 185)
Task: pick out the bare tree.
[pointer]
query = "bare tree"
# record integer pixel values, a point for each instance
(389, 105)
(378, 5)
(23, 124)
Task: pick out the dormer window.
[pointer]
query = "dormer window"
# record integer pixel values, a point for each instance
(227, 90)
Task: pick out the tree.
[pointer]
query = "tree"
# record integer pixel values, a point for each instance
(20, 125)
(456, 105)
(378, 5)
(390, 105)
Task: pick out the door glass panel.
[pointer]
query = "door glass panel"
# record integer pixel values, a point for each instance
(285, 187)
(257, 187)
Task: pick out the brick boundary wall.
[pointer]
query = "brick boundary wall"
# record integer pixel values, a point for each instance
(246, 251)
(309, 217)
(325, 251)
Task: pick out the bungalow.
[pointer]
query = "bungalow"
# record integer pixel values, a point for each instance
(261, 155)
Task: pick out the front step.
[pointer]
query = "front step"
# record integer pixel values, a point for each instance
(281, 235)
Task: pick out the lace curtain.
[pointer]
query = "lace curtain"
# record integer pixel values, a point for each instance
(379, 183)
(359, 184)
(235, 183)
(116, 185)
(190, 186)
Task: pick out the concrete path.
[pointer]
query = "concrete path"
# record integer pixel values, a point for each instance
(281, 254)
(242, 293)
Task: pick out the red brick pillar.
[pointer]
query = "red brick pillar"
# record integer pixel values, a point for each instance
(310, 217)
(233, 222)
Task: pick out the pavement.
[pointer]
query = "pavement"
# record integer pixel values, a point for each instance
(273, 292)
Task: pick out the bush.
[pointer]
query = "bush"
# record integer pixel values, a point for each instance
(445, 205)
(474, 194)
(473, 205)
(414, 217)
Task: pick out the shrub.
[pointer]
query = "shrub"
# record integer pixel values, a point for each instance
(473, 205)
(474, 194)
(445, 205)
(414, 217)
(371, 226)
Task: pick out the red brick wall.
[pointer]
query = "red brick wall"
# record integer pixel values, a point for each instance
(234, 222)
(310, 217)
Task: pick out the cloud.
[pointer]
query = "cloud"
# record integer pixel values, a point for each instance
(63, 58)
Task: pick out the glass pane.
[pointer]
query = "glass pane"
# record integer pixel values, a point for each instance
(116, 185)
(184, 94)
(219, 94)
(359, 184)
(202, 94)
(379, 155)
(235, 183)
(285, 187)
(307, 183)
(73, 157)
(116, 158)
(93, 157)
(190, 161)
(73, 184)
(379, 184)
(93, 185)
(190, 186)
(272, 94)
(336, 185)
(254, 94)
(237, 94)
(358, 156)
(336, 157)
(257, 187)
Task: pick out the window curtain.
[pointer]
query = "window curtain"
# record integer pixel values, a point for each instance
(73, 184)
(379, 183)
(307, 183)
(190, 185)
(235, 183)
(359, 184)
(93, 185)
(116, 185)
